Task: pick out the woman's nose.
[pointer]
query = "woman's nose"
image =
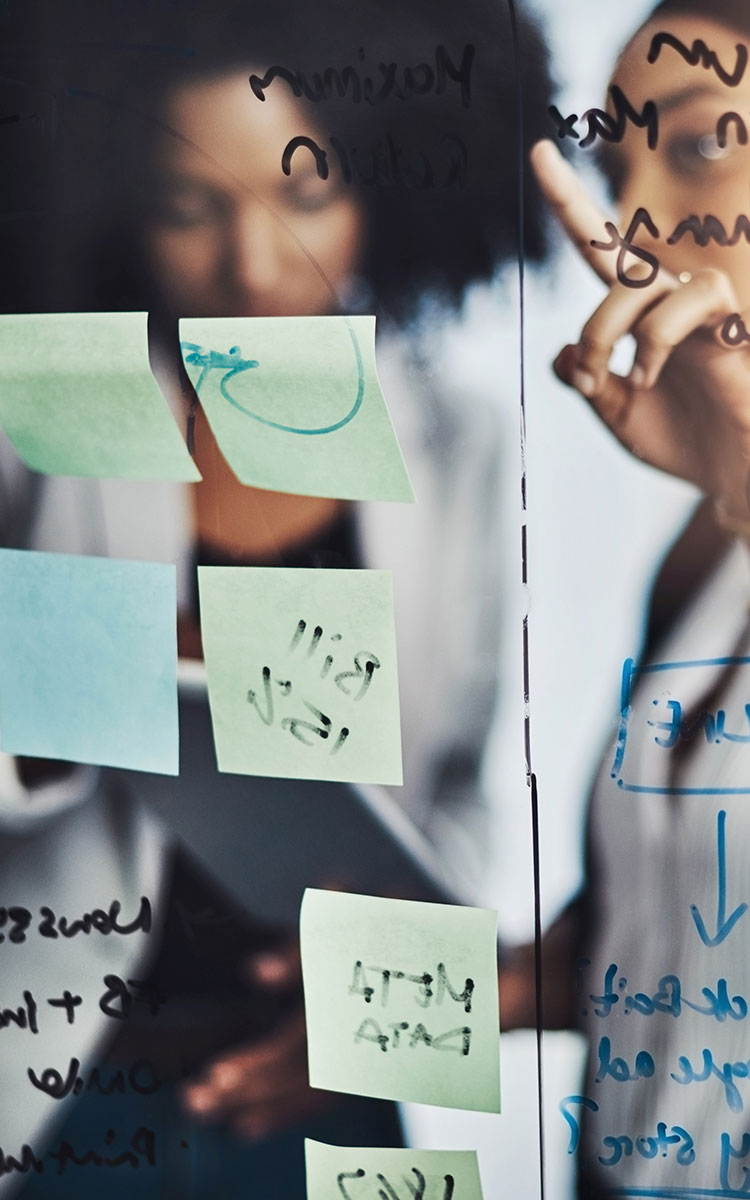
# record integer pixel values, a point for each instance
(257, 250)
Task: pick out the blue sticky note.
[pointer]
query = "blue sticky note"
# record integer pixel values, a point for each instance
(88, 660)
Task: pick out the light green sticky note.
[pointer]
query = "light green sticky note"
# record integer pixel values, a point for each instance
(401, 999)
(295, 404)
(77, 397)
(353, 1173)
(302, 673)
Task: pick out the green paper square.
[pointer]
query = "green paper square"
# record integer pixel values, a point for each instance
(421, 965)
(356, 1173)
(302, 672)
(295, 404)
(77, 397)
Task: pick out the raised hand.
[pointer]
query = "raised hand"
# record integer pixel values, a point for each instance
(685, 405)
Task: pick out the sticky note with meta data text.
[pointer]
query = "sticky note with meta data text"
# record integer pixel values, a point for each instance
(401, 999)
(295, 404)
(355, 1173)
(88, 660)
(302, 676)
(77, 397)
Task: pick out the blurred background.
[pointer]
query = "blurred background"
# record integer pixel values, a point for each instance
(597, 522)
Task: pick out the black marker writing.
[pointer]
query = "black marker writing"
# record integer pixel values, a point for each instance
(386, 165)
(704, 230)
(263, 699)
(699, 54)
(425, 991)
(710, 229)
(305, 143)
(120, 996)
(430, 989)
(359, 985)
(23, 1017)
(734, 331)
(51, 926)
(601, 124)
(722, 129)
(117, 1001)
(27, 1161)
(415, 81)
(141, 1077)
(370, 1031)
(359, 1174)
(20, 920)
(415, 1193)
(623, 244)
(142, 1152)
(69, 1002)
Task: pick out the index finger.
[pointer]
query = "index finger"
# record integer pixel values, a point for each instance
(575, 210)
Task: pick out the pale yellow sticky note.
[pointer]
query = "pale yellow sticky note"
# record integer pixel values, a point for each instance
(302, 674)
(401, 999)
(356, 1173)
(295, 404)
(77, 397)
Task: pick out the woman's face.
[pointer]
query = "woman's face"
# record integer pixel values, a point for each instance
(230, 234)
(688, 173)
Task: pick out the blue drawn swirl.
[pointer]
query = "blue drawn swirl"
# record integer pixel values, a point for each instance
(196, 357)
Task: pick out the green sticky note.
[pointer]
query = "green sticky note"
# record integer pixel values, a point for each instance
(88, 660)
(354, 1173)
(301, 671)
(295, 404)
(77, 397)
(401, 999)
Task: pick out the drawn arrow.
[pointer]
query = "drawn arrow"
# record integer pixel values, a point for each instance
(724, 923)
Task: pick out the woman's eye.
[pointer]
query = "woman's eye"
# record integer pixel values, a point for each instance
(185, 210)
(313, 196)
(694, 153)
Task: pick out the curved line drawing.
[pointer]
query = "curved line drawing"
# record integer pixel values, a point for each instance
(237, 366)
(195, 356)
